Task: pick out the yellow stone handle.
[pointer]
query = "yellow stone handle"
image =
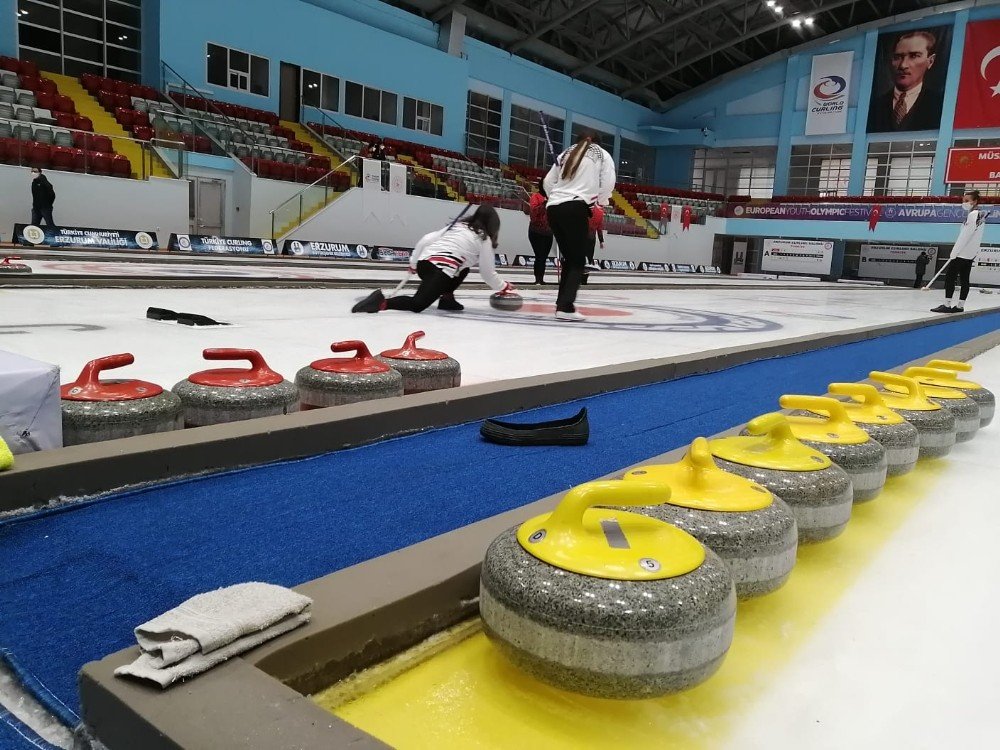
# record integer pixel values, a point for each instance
(948, 364)
(861, 392)
(774, 426)
(930, 372)
(699, 461)
(837, 417)
(912, 387)
(567, 518)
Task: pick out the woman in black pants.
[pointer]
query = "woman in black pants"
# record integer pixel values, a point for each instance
(443, 260)
(582, 177)
(539, 232)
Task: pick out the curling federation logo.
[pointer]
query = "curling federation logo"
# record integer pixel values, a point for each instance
(830, 88)
(34, 234)
(144, 240)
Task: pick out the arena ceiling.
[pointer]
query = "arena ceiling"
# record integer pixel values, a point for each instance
(651, 51)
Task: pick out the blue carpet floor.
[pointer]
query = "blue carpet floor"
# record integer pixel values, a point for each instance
(75, 581)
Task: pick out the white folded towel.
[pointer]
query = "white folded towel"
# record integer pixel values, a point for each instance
(212, 627)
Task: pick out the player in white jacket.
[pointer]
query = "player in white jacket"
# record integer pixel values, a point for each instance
(967, 247)
(442, 260)
(582, 177)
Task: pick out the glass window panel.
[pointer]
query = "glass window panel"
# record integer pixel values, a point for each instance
(79, 67)
(42, 39)
(122, 36)
(239, 61)
(121, 13)
(125, 75)
(259, 75)
(353, 96)
(218, 65)
(121, 58)
(389, 104)
(44, 60)
(331, 93)
(311, 94)
(409, 113)
(437, 120)
(82, 48)
(92, 7)
(372, 106)
(38, 14)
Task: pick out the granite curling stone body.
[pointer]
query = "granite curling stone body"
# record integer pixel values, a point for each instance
(868, 410)
(966, 410)
(935, 425)
(818, 491)
(606, 602)
(347, 380)
(982, 396)
(823, 423)
(231, 395)
(753, 531)
(94, 410)
(422, 369)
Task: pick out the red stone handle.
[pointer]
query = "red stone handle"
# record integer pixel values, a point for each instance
(257, 363)
(410, 346)
(91, 373)
(361, 349)
(9, 258)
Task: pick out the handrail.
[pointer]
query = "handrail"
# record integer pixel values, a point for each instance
(313, 184)
(301, 193)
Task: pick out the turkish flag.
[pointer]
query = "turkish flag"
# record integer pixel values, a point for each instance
(685, 218)
(979, 90)
(873, 216)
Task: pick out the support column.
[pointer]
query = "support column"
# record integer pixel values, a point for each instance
(505, 127)
(859, 154)
(783, 159)
(947, 131)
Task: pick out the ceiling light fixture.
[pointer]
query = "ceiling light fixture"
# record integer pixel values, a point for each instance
(797, 23)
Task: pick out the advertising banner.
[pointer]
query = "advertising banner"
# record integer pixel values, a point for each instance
(909, 79)
(944, 213)
(813, 257)
(973, 165)
(986, 268)
(826, 112)
(371, 171)
(355, 251)
(739, 257)
(893, 261)
(397, 178)
(209, 243)
(979, 87)
(106, 239)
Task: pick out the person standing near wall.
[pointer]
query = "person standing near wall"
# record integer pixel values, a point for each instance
(921, 267)
(43, 198)
(582, 177)
(967, 247)
(539, 232)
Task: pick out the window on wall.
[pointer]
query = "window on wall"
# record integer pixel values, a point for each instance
(320, 90)
(637, 161)
(423, 116)
(236, 69)
(602, 139)
(735, 171)
(528, 145)
(822, 169)
(370, 103)
(985, 188)
(899, 168)
(82, 36)
(482, 126)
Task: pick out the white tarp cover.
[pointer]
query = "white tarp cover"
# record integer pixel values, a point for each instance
(30, 416)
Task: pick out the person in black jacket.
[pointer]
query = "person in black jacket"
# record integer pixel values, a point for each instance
(43, 197)
(913, 102)
(922, 260)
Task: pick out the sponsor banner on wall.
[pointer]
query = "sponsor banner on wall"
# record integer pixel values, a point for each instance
(397, 178)
(973, 164)
(826, 111)
(528, 261)
(986, 268)
(618, 265)
(911, 68)
(355, 251)
(739, 257)
(892, 261)
(897, 212)
(371, 171)
(979, 87)
(812, 257)
(107, 239)
(210, 243)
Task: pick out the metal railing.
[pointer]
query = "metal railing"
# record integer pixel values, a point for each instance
(22, 149)
(311, 199)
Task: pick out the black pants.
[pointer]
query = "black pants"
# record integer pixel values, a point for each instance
(37, 214)
(434, 283)
(569, 226)
(958, 269)
(541, 245)
(920, 280)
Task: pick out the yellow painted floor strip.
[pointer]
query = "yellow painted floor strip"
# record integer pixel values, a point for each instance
(469, 697)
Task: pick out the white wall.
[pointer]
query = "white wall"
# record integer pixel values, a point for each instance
(374, 218)
(265, 196)
(85, 200)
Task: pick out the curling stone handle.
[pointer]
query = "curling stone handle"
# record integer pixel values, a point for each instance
(861, 392)
(699, 459)
(91, 372)
(912, 387)
(773, 425)
(411, 340)
(252, 356)
(834, 409)
(359, 347)
(930, 372)
(9, 258)
(568, 515)
(948, 364)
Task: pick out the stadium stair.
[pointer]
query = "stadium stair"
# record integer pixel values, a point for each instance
(105, 124)
(631, 212)
(303, 134)
(431, 175)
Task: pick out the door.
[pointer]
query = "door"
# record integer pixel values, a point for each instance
(290, 92)
(208, 200)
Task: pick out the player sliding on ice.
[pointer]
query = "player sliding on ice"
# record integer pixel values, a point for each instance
(442, 260)
(967, 247)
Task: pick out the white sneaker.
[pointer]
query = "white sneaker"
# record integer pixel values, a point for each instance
(592, 266)
(570, 316)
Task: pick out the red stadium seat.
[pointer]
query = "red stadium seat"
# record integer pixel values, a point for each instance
(45, 100)
(39, 154)
(91, 83)
(81, 160)
(188, 141)
(82, 140)
(64, 104)
(142, 132)
(119, 87)
(123, 100)
(31, 83)
(121, 166)
(29, 68)
(140, 119)
(9, 150)
(125, 117)
(106, 99)
(101, 143)
(10, 63)
(321, 162)
(62, 158)
(100, 162)
(202, 144)
(83, 123)
(49, 86)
